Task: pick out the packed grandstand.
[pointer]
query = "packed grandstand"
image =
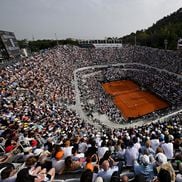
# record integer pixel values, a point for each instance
(58, 123)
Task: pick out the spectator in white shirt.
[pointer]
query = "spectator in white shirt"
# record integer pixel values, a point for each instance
(131, 154)
(102, 149)
(168, 147)
(106, 171)
(82, 146)
(67, 149)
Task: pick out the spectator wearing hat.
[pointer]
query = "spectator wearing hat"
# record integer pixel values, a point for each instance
(37, 152)
(146, 168)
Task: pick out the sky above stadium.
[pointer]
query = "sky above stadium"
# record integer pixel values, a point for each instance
(81, 19)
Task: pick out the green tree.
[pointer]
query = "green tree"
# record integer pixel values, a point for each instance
(169, 28)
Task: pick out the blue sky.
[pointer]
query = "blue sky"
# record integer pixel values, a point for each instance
(81, 19)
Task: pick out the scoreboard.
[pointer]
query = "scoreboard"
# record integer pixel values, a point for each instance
(8, 45)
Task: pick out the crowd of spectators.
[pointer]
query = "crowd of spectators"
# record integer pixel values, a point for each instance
(41, 137)
(164, 84)
(163, 59)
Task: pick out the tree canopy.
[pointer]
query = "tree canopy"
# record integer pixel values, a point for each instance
(44, 44)
(168, 28)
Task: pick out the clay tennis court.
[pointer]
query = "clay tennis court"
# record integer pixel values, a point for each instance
(132, 101)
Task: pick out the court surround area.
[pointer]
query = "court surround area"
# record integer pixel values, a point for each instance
(131, 100)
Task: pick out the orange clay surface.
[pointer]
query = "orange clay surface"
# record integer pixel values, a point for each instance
(132, 101)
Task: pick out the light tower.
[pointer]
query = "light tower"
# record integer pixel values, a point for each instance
(56, 39)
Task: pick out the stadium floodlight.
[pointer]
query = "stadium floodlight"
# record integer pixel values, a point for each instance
(56, 39)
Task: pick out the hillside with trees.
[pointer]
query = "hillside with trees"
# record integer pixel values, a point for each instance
(168, 29)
